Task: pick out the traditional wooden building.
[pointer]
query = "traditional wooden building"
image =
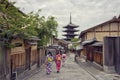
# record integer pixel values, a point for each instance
(59, 44)
(70, 31)
(55, 40)
(17, 55)
(23, 56)
(31, 52)
(63, 44)
(92, 40)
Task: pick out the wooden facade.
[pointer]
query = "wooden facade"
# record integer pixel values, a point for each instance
(98, 55)
(17, 55)
(108, 28)
(55, 40)
(31, 52)
(24, 56)
(21, 57)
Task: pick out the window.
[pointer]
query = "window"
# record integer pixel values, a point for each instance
(18, 44)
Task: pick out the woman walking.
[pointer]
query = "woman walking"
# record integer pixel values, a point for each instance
(49, 59)
(58, 59)
(63, 59)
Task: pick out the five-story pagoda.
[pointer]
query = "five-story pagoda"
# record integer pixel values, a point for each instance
(70, 31)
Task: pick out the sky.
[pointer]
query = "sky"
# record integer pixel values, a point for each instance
(84, 13)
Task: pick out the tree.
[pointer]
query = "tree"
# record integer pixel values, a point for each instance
(41, 27)
(11, 19)
(47, 30)
(36, 25)
(75, 43)
(15, 22)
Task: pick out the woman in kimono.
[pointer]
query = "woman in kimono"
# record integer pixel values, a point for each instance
(49, 59)
(63, 59)
(58, 59)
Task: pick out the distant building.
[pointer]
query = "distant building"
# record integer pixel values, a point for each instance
(70, 31)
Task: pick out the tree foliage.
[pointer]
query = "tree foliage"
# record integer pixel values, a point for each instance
(47, 30)
(75, 43)
(15, 22)
(43, 28)
(11, 19)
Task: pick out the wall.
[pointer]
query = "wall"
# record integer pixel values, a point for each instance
(100, 32)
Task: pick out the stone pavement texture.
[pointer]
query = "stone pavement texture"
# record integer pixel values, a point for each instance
(97, 73)
(73, 71)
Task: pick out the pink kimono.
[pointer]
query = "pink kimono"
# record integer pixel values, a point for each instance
(58, 62)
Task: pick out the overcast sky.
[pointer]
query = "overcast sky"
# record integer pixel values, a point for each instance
(85, 13)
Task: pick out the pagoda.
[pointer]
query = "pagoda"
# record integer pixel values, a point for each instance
(70, 31)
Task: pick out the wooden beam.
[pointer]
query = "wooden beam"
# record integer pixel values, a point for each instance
(118, 29)
(109, 29)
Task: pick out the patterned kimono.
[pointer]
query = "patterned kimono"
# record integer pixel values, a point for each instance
(63, 59)
(58, 62)
(49, 60)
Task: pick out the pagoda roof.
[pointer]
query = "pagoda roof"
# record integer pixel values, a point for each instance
(70, 25)
(70, 34)
(67, 39)
(70, 30)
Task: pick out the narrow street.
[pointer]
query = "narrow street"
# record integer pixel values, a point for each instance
(71, 71)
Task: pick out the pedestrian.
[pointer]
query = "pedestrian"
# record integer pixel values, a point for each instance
(63, 59)
(58, 59)
(48, 61)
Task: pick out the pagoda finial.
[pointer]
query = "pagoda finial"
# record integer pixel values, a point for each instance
(70, 18)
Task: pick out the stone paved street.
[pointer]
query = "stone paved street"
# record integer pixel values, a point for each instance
(71, 71)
